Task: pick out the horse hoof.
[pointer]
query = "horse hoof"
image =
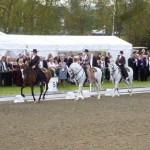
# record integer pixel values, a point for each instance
(76, 99)
(23, 95)
(99, 97)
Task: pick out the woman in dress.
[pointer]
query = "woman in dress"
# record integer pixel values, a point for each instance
(52, 66)
(62, 66)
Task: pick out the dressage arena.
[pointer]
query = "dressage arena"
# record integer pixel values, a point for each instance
(111, 123)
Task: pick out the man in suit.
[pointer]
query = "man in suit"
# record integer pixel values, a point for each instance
(121, 62)
(35, 60)
(133, 63)
(43, 63)
(1, 69)
(4, 74)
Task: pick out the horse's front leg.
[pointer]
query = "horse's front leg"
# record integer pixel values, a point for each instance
(32, 92)
(22, 87)
(115, 89)
(80, 91)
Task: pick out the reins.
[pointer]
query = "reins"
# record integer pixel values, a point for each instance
(75, 74)
(115, 71)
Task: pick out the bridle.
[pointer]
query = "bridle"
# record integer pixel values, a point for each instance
(114, 70)
(75, 75)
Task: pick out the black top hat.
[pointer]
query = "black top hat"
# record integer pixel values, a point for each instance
(121, 52)
(34, 51)
(86, 50)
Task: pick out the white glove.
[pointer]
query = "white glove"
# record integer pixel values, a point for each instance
(33, 67)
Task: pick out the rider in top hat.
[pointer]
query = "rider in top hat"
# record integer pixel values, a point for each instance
(85, 57)
(34, 63)
(121, 63)
(86, 66)
(35, 59)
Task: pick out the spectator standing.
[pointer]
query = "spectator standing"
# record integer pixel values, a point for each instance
(43, 63)
(142, 68)
(62, 71)
(133, 63)
(4, 71)
(52, 66)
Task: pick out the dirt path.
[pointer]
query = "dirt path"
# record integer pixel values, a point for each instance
(120, 123)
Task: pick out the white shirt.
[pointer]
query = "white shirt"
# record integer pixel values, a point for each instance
(41, 64)
(4, 65)
(52, 65)
(33, 56)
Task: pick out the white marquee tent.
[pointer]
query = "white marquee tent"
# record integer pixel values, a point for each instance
(53, 44)
(7, 43)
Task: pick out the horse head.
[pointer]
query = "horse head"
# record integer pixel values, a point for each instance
(71, 73)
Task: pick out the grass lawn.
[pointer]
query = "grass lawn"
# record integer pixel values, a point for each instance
(105, 85)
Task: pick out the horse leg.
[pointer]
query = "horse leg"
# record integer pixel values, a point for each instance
(46, 88)
(32, 91)
(130, 86)
(98, 90)
(116, 88)
(22, 87)
(41, 91)
(80, 91)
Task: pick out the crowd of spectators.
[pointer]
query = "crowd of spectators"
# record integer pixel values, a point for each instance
(10, 72)
(140, 63)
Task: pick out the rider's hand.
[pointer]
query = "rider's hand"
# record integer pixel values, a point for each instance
(33, 67)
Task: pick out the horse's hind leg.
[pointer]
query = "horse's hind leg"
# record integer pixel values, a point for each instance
(98, 90)
(46, 88)
(22, 91)
(32, 91)
(130, 87)
(41, 91)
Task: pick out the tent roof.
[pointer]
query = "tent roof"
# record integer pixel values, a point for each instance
(8, 43)
(35, 42)
(73, 43)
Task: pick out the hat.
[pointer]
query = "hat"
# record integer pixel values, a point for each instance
(121, 52)
(34, 51)
(86, 50)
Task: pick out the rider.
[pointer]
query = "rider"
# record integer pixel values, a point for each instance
(34, 63)
(121, 63)
(85, 59)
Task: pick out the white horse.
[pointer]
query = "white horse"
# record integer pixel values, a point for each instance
(77, 73)
(116, 77)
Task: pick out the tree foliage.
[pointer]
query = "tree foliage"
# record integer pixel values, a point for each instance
(129, 18)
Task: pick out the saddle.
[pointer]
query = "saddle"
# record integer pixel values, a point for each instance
(93, 69)
(127, 69)
(90, 74)
(44, 70)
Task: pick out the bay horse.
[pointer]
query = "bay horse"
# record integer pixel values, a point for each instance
(77, 73)
(29, 76)
(116, 77)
